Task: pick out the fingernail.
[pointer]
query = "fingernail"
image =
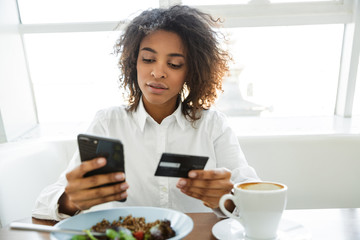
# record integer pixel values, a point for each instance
(124, 195)
(124, 186)
(119, 176)
(101, 161)
(181, 183)
(192, 174)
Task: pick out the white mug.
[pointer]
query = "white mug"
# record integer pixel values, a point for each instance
(260, 206)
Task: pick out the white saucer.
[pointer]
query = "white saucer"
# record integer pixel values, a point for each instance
(231, 229)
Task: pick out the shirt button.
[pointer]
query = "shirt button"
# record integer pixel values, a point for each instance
(164, 189)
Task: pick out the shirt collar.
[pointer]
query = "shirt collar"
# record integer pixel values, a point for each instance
(141, 116)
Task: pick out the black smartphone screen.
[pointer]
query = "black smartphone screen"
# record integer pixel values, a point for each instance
(91, 147)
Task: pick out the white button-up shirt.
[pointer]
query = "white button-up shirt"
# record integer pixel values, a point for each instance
(144, 141)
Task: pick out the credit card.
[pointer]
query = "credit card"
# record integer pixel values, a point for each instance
(179, 165)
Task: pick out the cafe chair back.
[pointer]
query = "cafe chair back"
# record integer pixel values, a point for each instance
(25, 169)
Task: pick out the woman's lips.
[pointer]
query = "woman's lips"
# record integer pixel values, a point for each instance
(157, 87)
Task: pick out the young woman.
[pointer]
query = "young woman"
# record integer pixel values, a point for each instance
(172, 67)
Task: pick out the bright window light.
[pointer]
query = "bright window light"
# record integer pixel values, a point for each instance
(278, 71)
(64, 11)
(73, 74)
(283, 71)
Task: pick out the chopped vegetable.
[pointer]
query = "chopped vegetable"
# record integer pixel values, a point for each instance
(125, 236)
(139, 235)
(111, 233)
(130, 228)
(79, 237)
(90, 235)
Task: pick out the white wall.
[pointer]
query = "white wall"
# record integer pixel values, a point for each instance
(16, 102)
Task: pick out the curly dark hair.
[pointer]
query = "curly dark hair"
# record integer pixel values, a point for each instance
(207, 62)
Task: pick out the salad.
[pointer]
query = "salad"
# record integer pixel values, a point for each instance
(129, 228)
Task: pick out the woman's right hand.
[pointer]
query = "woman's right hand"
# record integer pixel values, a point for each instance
(80, 193)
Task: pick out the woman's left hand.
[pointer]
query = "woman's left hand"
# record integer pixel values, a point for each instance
(207, 185)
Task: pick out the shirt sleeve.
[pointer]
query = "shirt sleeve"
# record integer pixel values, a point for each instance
(46, 205)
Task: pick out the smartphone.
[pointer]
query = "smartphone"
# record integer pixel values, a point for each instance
(91, 147)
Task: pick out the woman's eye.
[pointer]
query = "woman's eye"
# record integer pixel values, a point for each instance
(148, 60)
(175, 66)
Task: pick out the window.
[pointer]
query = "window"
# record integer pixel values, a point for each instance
(287, 58)
(284, 71)
(73, 74)
(69, 11)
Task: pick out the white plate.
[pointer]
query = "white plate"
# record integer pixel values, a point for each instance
(180, 222)
(231, 229)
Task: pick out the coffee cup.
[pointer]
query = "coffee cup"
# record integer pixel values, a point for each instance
(260, 206)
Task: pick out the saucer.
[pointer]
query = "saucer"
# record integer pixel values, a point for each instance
(231, 229)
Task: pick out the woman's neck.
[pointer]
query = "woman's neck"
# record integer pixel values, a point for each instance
(160, 111)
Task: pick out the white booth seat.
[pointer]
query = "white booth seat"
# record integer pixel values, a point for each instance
(320, 171)
(25, 169)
